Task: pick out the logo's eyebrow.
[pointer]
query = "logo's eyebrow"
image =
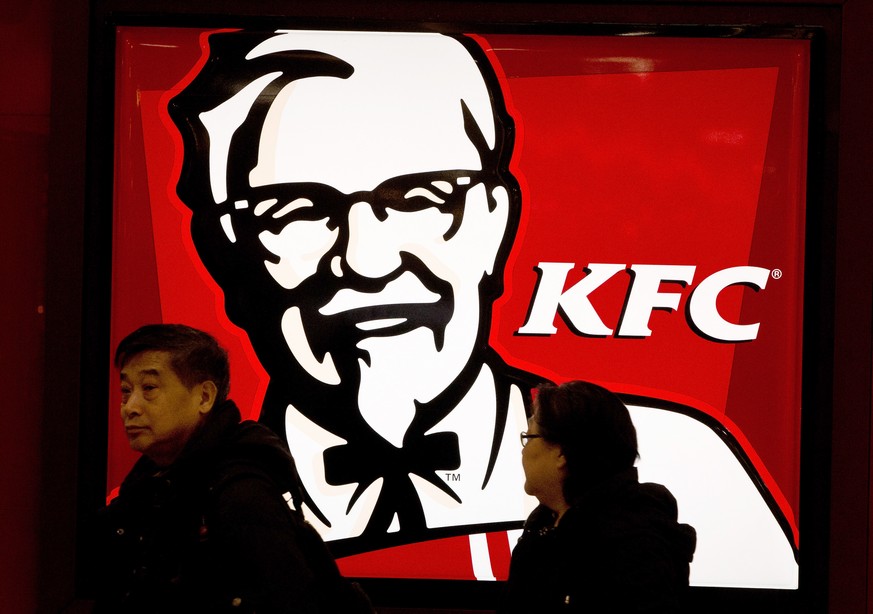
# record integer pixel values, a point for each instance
(425, 193)
(265, 205)
(445, 186)
(297, 203)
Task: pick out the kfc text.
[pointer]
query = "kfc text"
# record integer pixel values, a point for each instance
(643, 296)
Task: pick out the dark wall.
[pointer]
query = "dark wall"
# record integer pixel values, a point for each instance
(24, 129)
(851, 496)
(44, 63)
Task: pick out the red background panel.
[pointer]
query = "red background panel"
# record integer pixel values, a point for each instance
(629, 150)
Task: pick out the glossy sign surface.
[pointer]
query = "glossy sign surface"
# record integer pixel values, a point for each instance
(420, 227)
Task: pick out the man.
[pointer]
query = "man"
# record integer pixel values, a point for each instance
(351, 194)
(202, 522)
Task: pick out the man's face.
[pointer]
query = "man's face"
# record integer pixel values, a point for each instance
(376, 218)
(159, 412)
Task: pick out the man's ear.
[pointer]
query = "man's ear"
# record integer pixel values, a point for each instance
(208, 392)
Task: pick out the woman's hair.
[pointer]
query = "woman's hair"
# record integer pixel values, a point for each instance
(593, 428)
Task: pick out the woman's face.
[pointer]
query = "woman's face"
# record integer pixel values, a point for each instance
(544, 467)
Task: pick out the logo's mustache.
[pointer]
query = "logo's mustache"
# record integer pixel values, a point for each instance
(405, 289)
(335, 312)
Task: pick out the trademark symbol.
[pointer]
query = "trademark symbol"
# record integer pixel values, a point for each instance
(776, 273)
(453, 477)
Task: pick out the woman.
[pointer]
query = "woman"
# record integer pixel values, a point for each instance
(599, 541)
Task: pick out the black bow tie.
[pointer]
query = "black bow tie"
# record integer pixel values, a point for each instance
(369, 458)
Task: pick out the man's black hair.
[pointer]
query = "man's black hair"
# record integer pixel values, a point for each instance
(195, 356)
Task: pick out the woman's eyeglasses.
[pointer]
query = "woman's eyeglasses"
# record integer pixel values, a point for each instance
(525, 437)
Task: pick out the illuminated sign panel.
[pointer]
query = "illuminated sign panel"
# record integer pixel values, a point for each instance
(397, 235)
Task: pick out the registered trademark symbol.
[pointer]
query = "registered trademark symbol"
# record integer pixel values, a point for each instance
(776, 273)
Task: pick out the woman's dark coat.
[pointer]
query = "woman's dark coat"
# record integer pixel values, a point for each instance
(619, 549)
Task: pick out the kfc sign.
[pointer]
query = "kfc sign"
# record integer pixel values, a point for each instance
(644, 295)
(387, 229)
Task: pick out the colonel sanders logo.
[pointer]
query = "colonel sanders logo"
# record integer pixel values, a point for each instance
(351, 195)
